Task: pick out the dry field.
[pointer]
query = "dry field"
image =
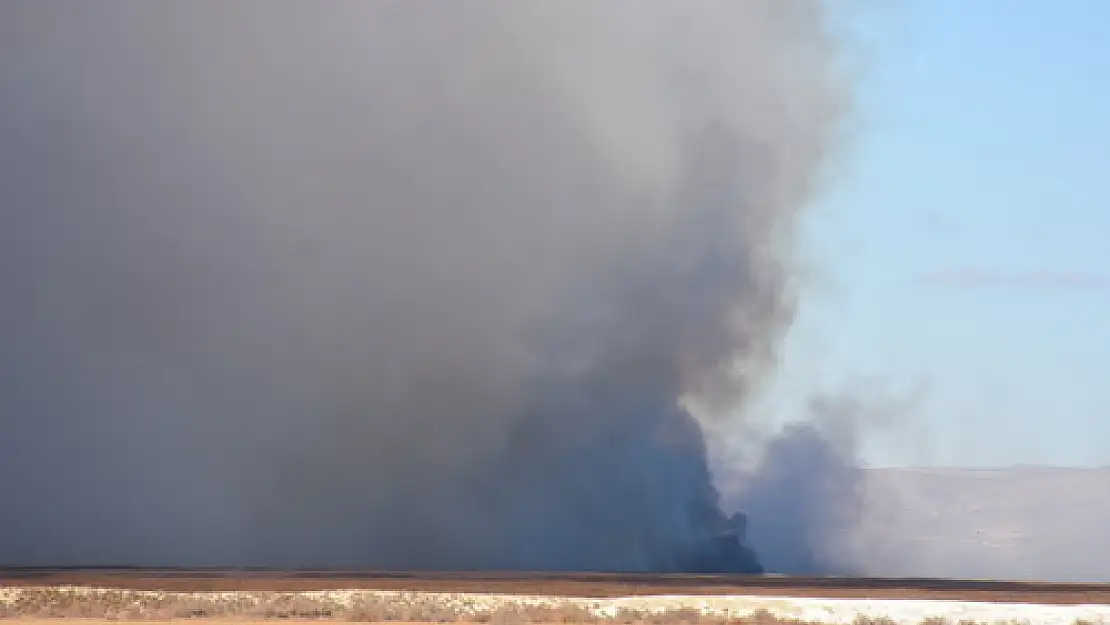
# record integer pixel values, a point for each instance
(242, 597)
(598, 585)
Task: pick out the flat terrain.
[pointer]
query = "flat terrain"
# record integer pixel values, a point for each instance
(567, 585)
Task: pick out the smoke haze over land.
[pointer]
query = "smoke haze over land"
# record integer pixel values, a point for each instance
(393, 284)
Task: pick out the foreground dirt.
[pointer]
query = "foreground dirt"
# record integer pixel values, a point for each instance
(566, 585)
(764, 620)
(755, 621)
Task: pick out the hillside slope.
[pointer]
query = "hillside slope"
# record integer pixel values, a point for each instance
(1022, 522)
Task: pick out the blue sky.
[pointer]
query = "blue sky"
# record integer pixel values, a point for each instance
(963, 245)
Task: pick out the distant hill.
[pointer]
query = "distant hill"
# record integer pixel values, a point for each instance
(1019, 523)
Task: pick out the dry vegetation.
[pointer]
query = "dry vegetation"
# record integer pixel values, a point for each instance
(119, 606)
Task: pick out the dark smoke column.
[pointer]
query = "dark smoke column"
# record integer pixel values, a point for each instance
(393, 284)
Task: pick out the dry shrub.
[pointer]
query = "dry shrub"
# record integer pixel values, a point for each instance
(123, 606)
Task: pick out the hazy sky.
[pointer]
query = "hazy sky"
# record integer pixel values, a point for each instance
(965, 251)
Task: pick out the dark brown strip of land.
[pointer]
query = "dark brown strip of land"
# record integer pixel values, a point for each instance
(560, 584)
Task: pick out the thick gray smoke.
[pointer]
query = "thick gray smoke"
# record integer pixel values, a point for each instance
(392, 283)
(805, 495)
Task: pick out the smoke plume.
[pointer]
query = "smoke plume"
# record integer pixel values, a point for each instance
(392, 283)
(805, 495)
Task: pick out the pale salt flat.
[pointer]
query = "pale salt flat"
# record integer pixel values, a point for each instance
(832, 611)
